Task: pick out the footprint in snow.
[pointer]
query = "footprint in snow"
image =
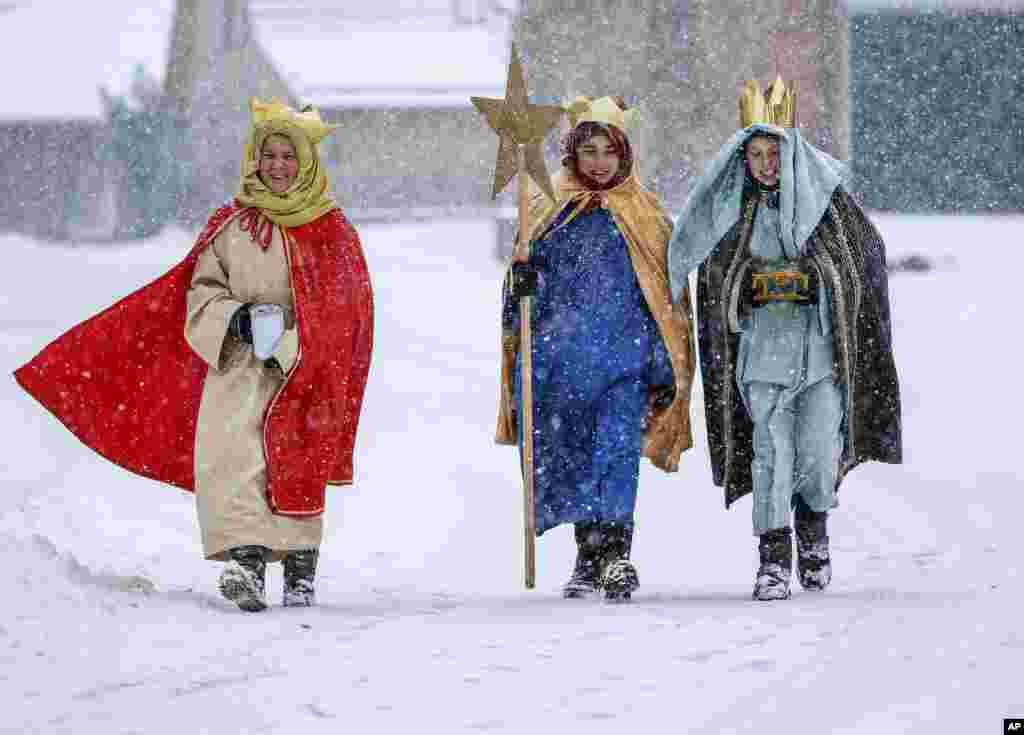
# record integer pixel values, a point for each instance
(758, 664)
(1013, 641)
(318, 710)
(502, 668)
(926, 559)
(699, 657)
(485, 725)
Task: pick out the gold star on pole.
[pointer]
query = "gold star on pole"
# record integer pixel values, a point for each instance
(518, 123)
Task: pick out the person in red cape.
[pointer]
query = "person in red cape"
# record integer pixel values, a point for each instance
(239, 374)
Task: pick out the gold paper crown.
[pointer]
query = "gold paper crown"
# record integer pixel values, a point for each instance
(776, 107)
(604, 110)
(275, 111)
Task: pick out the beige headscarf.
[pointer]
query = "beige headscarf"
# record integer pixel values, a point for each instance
(308, 197)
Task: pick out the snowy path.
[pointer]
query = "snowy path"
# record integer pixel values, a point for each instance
(112, 623)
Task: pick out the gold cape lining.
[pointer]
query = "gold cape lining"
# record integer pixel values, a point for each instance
(647, 229)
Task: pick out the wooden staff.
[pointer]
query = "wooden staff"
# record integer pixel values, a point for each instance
(521, 128)
(526, 350)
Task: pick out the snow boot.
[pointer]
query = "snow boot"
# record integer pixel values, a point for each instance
(244, 576)
(776, 551)
(618, 574)
(586, 574)
(299, 571)
(814, 565)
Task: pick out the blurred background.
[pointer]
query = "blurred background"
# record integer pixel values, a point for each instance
(121, 117)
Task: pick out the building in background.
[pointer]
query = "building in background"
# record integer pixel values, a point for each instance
(214, 65)
(64, 63)
(396, 77)
(145, 105)
(684, 62)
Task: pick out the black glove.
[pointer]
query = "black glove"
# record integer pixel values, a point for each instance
(662, 398)
(812, 287)
(240, 326)
(524, 278)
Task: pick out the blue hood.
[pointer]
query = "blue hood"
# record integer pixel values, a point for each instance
(808, 179)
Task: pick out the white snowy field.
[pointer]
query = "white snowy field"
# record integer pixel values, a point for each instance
(111, 622)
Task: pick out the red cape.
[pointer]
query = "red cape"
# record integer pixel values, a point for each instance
(128, 385)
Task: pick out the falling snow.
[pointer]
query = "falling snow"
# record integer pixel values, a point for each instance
(112, 621)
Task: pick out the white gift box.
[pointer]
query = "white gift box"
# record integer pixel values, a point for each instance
(267, 328)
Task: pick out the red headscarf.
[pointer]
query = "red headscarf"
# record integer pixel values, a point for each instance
(584, 132)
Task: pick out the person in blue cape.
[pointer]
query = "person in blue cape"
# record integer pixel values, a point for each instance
(800, 383)
(612, 356)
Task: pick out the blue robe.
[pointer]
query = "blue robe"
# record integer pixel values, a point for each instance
(596, 353)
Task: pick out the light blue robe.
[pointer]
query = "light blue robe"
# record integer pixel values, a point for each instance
(784, 373)
(782, 342)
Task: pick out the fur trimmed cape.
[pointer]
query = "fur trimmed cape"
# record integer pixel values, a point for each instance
(849, 255)
(127, 384)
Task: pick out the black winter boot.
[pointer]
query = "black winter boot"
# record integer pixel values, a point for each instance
(618, 574)
(773, 576)
(813, 561)
(243, 578)
(299, 572)
(586, 575)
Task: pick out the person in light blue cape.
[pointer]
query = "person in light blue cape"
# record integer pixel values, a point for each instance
(799, 379)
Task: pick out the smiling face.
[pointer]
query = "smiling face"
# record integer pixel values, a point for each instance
(278, 163)
(763, 159)
(598, 159)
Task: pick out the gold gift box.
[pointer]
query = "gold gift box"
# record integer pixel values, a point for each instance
(780, 286)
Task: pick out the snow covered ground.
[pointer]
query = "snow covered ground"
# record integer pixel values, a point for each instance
(101, 46)
(111, 622)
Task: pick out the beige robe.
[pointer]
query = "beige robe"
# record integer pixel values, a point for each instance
(230, 468)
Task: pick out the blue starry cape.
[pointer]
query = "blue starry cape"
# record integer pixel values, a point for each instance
(646, 228)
